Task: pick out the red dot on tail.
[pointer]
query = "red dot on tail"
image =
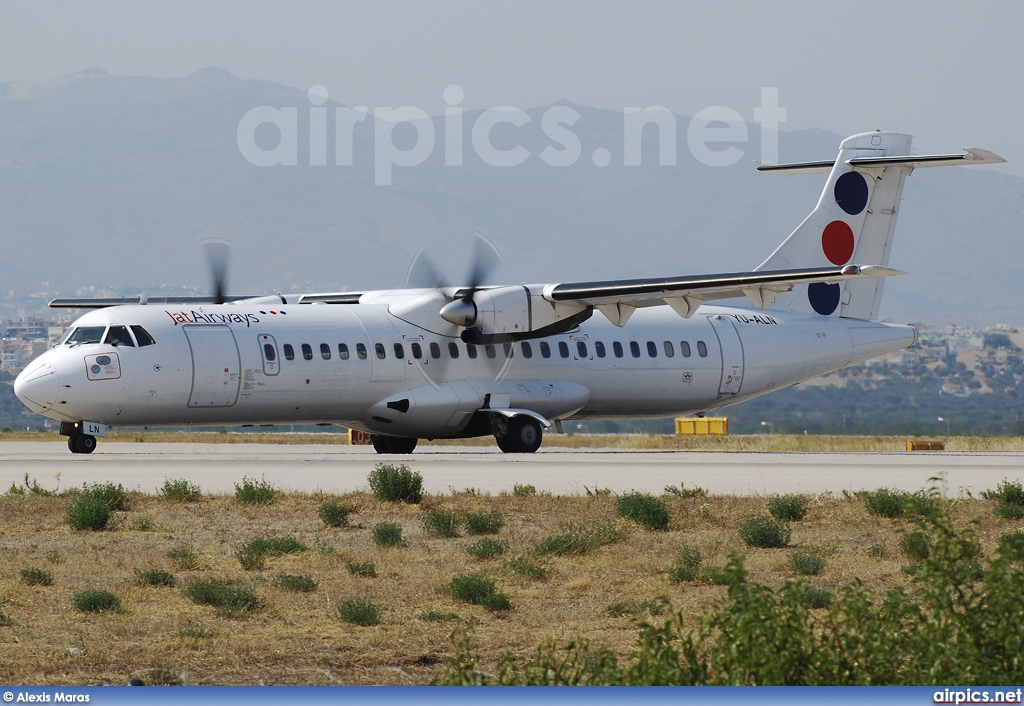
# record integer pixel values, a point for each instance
(837, 242)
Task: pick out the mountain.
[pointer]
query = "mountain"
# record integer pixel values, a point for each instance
(111, 182)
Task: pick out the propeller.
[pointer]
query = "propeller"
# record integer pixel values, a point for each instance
(217, 253)
(462, 310)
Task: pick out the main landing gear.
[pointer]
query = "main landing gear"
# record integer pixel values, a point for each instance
(522, 434)
(82, 443)
(393, 444)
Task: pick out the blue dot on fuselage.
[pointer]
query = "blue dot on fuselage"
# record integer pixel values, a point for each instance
(824, 298)
(851, 192)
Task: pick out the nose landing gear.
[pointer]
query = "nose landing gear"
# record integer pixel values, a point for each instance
(82, 443)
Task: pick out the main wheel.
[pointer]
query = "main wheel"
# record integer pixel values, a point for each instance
(379, 443)
(524, 435)
(503, 444)
(401, 445)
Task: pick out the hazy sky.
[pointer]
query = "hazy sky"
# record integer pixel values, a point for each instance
(948, 73)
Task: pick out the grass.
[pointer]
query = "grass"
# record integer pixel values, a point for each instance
(87, 514)
(806, 564)
(479, 590)
(686, 567)
(295, 582)
(441, 523)
(334, 514)
(181, 491)
(365, 569)
(96, 601)
(253, 492)
(296, 637)
(359, 611)
(36, 577)
(522, 490)
(581, 539)
(394, 484)
(886, 503)
(788, 508)
(650, 606)
(765, 533)
(1006, 511)
(255, 552)
(486, 549)
(644, 509)
(1007, 492)
(184, 558)
(388, 534)
(228, 597)
(156, 577)
(483, 522)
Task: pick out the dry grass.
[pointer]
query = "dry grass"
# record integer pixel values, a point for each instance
(297, 638)
(780, 443)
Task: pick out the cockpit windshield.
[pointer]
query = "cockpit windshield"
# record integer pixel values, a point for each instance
(85, 334)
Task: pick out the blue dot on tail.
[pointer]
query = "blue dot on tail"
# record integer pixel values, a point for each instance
(851, 192)
(824, 298)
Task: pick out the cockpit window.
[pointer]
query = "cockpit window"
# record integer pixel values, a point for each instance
(86, 334)
(142, 336)
(119, 336)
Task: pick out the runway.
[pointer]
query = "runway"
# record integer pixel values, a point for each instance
(339, 469)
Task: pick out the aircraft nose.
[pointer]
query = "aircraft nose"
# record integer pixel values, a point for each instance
(37, 386)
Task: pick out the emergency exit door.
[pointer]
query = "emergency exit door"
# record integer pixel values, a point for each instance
(732, 355)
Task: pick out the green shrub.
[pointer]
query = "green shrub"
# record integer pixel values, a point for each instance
(252, 492)
(161, 676)
(6, 621)
(470, 588)
(436, 616)
(334, 514)
(156, 577)
(88, 513)
(228, 597)
(1011, 546)
(886, 503)
(113, 496)
(686, 566)
(765, 532)
(359, 611)
(441, 523)
(396, 483)
(369, 570)
(806, 564)
(650, 606)
(96, 601)
(255, 552)
(388, 534)
(683, 492)
(581, 539)
(486, 549)
(811, 596)
(645, 509)
(716, 576)
(522, 566)
(184, 558)
(36, 577)
(483, 522)
(788, 508)
(181, 491)
(915, 546)
(1008, 511)
(1007, 492)
(293, 582)
(496, 601)
(522, 490)
(923, 504)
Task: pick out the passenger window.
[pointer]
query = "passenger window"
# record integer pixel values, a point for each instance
(669, 349)
(545, 349)
(527, 349)
(378, 348)
(563, 349)
(361, 351)
(617, 348)
(289, 352)
(652, 349)
(685, 348)
(435, 351)
(343, 351)
(599, 349)
(268, 352)
(634, 348)
(507, 348)
(417, 351)
(119, 336)
(471, 350)
(307, 351)
(581, 348)
(453, 350)
(399, 350)
(489, 350)
(325, 351)
(142, 336)
(702, 350)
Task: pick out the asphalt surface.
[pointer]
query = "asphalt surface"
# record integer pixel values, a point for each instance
(337, 469)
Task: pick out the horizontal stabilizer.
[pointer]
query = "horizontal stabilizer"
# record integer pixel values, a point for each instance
(971, 156)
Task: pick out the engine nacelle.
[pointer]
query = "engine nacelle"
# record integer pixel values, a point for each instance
(521, 312)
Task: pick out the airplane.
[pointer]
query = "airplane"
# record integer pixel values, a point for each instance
(444, 362)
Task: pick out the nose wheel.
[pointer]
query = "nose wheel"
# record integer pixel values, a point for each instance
(82, 443)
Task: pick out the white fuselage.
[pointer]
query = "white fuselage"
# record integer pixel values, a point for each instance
(229, 365)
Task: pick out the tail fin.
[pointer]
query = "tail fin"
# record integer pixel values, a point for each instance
(854, 221)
